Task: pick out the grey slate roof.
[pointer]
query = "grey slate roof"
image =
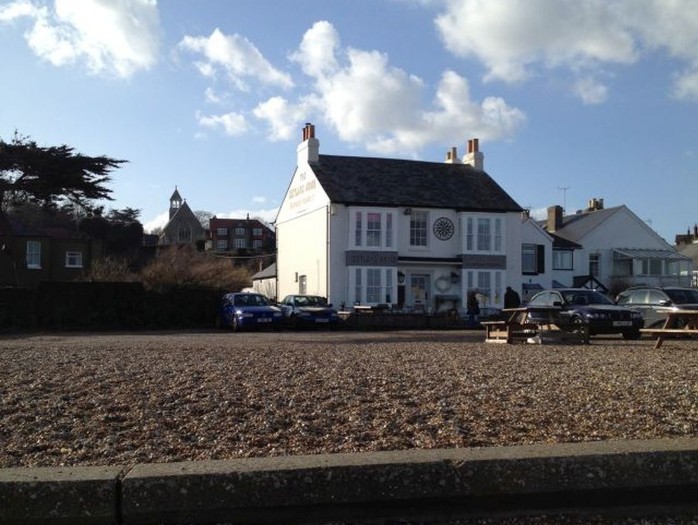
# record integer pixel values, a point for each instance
(575, 227)
(265, 273)
(368, 181)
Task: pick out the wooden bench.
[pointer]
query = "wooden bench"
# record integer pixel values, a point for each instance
(662, 333)
(508, 332)
(511, 332)
(678, 322)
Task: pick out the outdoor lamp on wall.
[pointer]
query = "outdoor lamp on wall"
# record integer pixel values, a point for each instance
(454, 278)
(400, 278)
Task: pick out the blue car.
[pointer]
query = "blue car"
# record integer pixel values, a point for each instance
(243, 310)
(308, 311)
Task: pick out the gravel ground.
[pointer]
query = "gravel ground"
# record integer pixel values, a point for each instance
(68, 400)
(76, 399)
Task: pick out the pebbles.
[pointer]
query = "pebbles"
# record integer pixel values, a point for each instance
(125, 399)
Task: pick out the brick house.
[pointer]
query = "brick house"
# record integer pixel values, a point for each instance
(236, 235)
(31, 254)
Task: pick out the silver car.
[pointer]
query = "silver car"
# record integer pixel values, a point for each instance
(655, 302)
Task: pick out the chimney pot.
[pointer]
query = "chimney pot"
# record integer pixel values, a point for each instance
(474, 157)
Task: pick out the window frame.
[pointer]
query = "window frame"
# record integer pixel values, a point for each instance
(557, 259)
(419, 229)
(78, 256)
(372, 229)
(33, 256)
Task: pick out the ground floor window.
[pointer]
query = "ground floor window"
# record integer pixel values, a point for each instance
(487, 286)
(373, 286)
(562, 260)
(33, 254)
(73, 259)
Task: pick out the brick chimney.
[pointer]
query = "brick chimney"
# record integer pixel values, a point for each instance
(554, 218)
(309, 149)
(474, 157)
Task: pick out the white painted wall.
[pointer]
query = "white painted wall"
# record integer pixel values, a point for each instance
(622, 229)
(301, 235)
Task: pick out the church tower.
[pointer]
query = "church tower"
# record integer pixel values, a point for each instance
(175, 203)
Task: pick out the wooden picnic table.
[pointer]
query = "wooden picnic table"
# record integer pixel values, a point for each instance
(678, 323)
(546, 323)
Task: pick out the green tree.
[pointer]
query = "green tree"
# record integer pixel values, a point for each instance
(48, 176)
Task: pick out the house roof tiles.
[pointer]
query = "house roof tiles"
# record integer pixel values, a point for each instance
(368, 181)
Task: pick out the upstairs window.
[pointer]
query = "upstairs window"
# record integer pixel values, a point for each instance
(419, 228)
(222, 232)
(484, 234)
(257, 232)
(239, 231)
(532, 259)
(373, 229)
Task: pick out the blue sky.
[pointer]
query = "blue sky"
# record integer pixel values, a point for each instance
(571, 99)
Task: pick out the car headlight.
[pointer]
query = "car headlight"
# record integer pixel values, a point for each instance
(240, 313)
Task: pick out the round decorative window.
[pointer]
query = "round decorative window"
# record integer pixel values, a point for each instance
(443, 228)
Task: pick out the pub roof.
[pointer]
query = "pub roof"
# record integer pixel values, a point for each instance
(368, 181)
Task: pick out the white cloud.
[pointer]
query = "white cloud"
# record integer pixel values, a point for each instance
(237, 57)
(590, 91)
(367, 101)
(157, 222)
(686, 85)
(316, 53)
(232, 124)
(282, 117)
(514, 39)
(259, 200)
(110, 37)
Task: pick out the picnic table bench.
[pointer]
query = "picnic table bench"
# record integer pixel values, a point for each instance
(671, 328)
(547, 324)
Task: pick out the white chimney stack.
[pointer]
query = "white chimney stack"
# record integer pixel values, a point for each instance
(309, 149)
(474, 157)
(452, 156)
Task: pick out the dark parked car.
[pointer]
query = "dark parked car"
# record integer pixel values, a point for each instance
(656, 302)
(308, 310)
(594, 308)
(248, 310)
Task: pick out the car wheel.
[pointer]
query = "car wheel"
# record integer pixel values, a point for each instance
(575, 324)
(631, 334)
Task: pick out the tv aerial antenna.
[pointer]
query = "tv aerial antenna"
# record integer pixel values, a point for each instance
(564, 189)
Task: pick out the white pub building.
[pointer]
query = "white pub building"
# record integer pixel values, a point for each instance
(408, 235)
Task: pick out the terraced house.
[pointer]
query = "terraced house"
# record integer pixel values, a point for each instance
(407, 234)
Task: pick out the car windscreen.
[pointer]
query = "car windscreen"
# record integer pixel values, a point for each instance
(251, 300)
(316, 301)
(583, 297)
(686, 296)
